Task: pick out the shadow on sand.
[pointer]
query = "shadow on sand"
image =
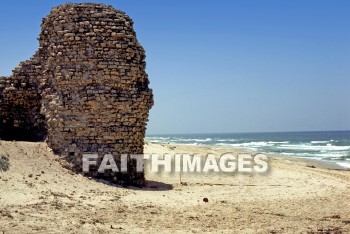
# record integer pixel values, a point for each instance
(150, 185)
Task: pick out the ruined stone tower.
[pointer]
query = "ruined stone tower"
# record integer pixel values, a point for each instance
(84, 91)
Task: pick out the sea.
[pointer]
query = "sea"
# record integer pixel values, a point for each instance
(332, 146)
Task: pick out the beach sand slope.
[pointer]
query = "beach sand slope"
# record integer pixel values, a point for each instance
(38, 195)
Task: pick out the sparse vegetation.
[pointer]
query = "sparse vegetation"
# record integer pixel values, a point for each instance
(4, 162)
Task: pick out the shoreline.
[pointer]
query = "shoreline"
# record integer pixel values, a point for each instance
(310, 162)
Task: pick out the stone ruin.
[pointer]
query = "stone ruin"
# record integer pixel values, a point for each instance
(84, 91)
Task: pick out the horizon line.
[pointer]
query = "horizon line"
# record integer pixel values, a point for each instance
(248, 132)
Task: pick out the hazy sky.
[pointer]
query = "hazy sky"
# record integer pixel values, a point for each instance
(225, 65)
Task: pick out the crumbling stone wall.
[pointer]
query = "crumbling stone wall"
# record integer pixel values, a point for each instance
(20, 102)
(85, 89)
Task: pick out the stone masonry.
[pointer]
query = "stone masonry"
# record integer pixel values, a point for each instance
(85, 90)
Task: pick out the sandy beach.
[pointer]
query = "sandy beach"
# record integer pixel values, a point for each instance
(38, 195)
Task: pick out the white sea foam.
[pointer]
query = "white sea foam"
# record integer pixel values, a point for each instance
(332, 155)
(315, 147)
(278, 142)
(252, 144)
(310, 148)
(154, 140)
(157, 138)
(344, 164)
(191, 139)
(319, 142)
(227, 140)
(203, 140)
(243, 145)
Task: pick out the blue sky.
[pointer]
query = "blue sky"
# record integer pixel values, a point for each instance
(224, 65)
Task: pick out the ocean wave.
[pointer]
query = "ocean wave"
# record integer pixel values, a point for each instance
(227, 140)
(253, 144)
(335, 149)
(157, 138)
(158, 141)
(243, 145)
(319, 142)
(278, 142)
(203, 140)
(189, 139)
(333, 155)
(315, 147)
(154, 140)
(302, 155)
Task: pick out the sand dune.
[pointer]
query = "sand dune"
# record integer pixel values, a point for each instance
(38, 195)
